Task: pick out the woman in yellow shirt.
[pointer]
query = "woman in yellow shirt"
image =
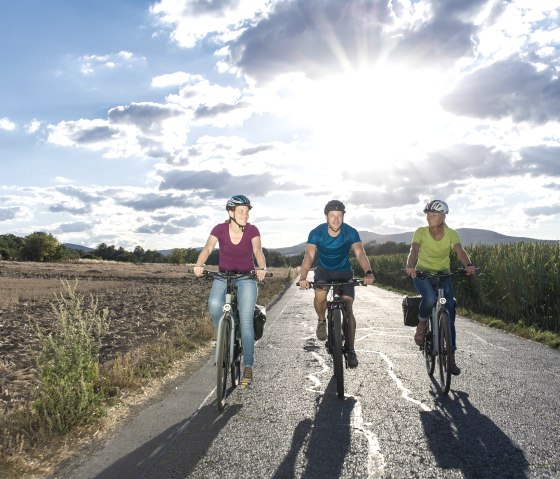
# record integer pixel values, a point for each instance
(430, 252)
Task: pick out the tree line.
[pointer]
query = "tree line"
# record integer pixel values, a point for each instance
(44, 247)
(41, 246)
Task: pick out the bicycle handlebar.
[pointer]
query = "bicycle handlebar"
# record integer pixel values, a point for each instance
(353, 281)
(439, 274)
(229, 274)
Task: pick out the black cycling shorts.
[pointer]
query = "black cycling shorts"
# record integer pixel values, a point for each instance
(327, 276)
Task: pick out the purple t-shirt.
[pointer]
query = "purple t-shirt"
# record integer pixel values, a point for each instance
(236, 257)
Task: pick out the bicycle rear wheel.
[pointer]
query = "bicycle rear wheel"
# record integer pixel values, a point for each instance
(337, 352)
(445, 348)
(223, 361)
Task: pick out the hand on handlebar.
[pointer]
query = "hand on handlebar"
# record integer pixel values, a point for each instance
(303, 284)
(470, 269)
(410, 272)
(198, 271)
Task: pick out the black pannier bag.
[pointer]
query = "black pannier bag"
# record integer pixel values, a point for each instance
(410, 305)
(259, 318)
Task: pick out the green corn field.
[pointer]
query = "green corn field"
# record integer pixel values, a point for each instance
(519, 283)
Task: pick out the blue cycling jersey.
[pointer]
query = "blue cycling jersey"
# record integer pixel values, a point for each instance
(333, 253)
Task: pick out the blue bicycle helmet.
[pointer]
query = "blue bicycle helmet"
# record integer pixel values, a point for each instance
(238, 200)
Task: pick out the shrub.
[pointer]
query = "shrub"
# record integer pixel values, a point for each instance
(68, 363)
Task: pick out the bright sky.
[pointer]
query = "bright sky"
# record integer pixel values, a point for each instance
(131, 122)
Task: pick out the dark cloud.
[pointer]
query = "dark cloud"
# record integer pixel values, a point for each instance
(551, 210)
(77, 227)
(440, 42)
(72, 209)
(386, 199)
(82, 195)
(541, 160)
(509, 88)
(222, 184)
(319, 37)
(158, 228)
(255, 149)
(8, 213)
(93, 134)
(465, 161)
(204, 111)
(201, 7)
(154, 201)
(189, 222)
(312, 36)
(146, 116)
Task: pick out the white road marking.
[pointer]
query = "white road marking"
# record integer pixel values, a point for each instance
(405, 392)
(376, 460)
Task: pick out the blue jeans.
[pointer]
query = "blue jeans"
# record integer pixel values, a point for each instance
(425, 288)
(246, 299)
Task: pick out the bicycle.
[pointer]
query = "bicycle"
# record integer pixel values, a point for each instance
(337, 327)
(437, 345)
(229, 349)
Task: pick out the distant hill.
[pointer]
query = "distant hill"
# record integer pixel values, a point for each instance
(85, 249)
(469, 236)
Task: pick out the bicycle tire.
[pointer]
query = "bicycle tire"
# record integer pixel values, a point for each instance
(429, 349)
(444, 356)
(223, 361)
(337, 352)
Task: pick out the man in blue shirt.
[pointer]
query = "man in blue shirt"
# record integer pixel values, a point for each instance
(332, 242)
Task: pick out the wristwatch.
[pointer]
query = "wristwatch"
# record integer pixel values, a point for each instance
(369, 271)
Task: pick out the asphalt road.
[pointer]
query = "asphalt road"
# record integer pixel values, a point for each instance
(501, 418)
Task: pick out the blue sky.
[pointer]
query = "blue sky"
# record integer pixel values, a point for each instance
(131, 122)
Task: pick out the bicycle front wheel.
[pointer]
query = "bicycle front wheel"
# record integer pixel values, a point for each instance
(223, 361)
(337, 352)
(445, 349)
(429, 349)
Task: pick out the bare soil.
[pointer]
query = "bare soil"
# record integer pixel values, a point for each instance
(144, 302)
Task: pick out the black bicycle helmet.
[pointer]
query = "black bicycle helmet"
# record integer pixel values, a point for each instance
(436, 206)
(238, 200)
(334, 205)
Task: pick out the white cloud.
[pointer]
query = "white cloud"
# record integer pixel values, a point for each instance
(7, 124)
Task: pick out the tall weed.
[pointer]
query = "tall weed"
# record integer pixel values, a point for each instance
(68, 363)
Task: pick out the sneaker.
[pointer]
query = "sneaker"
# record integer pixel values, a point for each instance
(247, 378)
(321, 330)
(455, 370)
(352, 359)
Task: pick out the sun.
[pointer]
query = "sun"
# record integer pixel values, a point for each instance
(377, 115)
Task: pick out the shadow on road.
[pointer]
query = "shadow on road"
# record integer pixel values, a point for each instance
(326, 439)
(175, 452)
(462, 438)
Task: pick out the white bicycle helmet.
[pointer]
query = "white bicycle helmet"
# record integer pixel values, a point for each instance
(436, 206)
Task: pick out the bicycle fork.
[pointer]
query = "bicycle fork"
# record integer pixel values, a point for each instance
(226, 309)
(435, 318)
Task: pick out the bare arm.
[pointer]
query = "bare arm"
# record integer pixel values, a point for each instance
(308, 258)
(412, 260)
(259, 256)
(464, 258)
(363, 261)
(204, 254)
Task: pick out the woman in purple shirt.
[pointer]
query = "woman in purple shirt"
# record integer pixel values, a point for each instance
(239, 243)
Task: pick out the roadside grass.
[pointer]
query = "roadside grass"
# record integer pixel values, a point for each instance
(547, 338)
(76, 391)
